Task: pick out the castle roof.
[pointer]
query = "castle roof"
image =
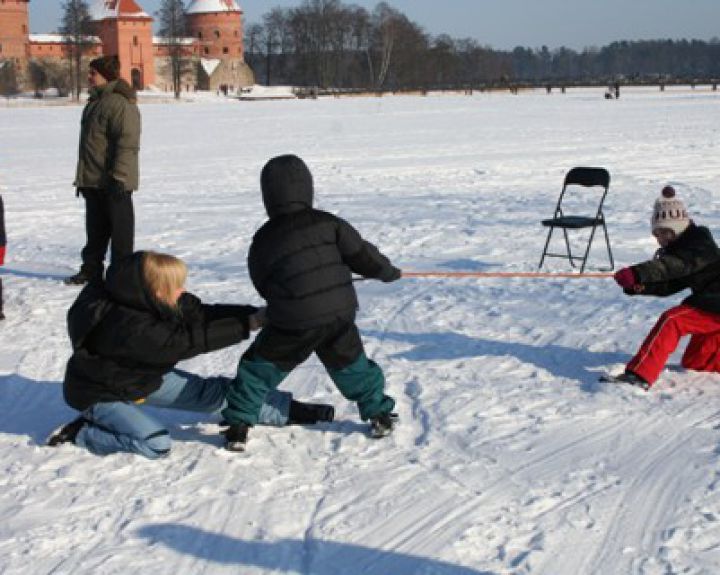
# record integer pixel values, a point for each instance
(210, 6)
(102, 9)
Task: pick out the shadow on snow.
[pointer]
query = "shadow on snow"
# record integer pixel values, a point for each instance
(563, 362)
(294, 556)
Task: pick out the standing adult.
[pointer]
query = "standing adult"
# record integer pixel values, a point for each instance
(107, 169)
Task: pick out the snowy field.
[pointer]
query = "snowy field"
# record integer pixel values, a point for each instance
(510, 457)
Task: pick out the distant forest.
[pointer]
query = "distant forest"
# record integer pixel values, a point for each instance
(331, 45)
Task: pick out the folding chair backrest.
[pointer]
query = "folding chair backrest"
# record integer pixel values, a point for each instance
(578, 201)
(588, 177)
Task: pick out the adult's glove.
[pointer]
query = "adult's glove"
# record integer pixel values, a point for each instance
(2, 257)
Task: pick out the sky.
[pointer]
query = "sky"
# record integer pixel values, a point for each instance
(505, 24)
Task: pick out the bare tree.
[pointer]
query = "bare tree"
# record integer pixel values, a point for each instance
(8, 78)
(172, 29)
(76, 28)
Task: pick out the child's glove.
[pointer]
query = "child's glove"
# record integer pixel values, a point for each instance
(258, 319)
(627, 280)
(391, 275)
(2, 255)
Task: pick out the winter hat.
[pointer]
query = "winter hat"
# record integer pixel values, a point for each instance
(107, 66)
(670, 212)
(287, 185)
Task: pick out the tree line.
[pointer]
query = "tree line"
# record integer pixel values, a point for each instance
(331, 45)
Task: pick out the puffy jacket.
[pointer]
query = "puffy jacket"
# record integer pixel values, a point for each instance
(691, 261)
(109, 139)
(302, 259)
(124, 340)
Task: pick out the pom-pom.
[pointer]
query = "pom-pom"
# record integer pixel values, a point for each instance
(668, 192)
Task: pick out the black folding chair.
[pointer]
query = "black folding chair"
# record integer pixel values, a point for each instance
(583, 180)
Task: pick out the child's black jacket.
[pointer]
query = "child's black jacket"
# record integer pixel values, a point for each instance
(124, 341)
(691, 261)
(302, 259)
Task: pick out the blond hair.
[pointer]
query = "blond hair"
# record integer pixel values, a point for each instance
(163, 274)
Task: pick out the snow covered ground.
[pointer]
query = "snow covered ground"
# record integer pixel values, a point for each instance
(510, 457)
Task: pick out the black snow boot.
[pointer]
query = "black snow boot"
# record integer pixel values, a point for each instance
(383, 425)
(309, 413)
(236, 437)
(67, 433)
(82, 277)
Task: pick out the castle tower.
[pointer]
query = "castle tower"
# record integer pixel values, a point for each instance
(14, 30)
(218, 26)
(125, 29)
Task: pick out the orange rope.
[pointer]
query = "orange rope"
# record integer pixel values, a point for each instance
(436, 274)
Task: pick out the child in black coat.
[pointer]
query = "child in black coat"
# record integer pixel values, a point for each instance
(127, 335)
(301, 261)
(688, 258)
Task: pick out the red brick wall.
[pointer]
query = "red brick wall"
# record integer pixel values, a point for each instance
(220, 34)
(14, 29)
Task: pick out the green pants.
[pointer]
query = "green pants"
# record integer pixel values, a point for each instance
(275, 353)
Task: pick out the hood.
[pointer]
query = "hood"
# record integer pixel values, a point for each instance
(126, 285)
(287, 186)
(88, 310)
(115, 87)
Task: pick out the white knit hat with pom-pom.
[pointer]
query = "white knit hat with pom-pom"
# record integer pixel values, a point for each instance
(669, 212)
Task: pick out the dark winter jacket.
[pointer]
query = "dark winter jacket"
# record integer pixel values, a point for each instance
(109, 139)
(124, 340)
(690, 261)
(302, 259)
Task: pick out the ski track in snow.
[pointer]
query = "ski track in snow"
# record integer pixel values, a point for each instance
(510, 457)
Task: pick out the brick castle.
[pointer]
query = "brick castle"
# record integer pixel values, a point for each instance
(213, 48)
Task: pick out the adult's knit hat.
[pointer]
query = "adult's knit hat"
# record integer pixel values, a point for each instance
(669, 212)
(107, 66)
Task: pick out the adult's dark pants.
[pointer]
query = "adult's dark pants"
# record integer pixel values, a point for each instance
(109, 220)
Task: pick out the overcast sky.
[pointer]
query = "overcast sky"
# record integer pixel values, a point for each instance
(504, 24)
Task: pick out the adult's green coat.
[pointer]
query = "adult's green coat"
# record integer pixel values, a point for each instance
(109, 139)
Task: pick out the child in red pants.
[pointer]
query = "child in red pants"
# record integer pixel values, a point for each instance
(688, 258)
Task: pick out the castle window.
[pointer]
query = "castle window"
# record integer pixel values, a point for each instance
(225, 50)
(217, 33)
(24, 29)
(200, 35)
(135, 40)
(206, 50)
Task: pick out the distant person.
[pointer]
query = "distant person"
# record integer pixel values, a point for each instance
(688, 258)
(127, 335)
(107, 168)
(3, 243)
(301, 261)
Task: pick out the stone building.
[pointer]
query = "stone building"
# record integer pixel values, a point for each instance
(213, 51)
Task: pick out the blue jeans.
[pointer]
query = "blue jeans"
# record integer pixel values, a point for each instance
(124, 426)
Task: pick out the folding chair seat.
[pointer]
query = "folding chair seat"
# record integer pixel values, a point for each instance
(579, 182)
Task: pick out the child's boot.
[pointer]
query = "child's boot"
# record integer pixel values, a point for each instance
(382, 425)
(309, 413)
(67, 433)
(236, 437)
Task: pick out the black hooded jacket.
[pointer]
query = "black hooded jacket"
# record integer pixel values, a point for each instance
(302, 259)
(124, 340)
(691, 261)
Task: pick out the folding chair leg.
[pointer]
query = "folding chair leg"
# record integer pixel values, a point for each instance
(569, 251)
(587, 250)
(607, 242)
(547, 243)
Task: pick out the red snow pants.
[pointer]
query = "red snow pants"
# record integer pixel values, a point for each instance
(702, 353)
